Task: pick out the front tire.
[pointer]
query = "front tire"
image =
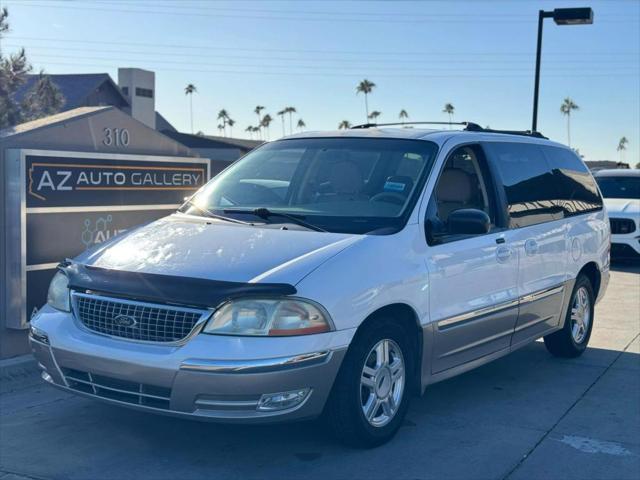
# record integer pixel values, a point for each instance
(370, 397)
(572, 340)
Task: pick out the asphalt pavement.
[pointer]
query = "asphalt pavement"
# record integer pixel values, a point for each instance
(526, 416)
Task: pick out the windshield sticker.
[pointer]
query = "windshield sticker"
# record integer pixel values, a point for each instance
(394, 187)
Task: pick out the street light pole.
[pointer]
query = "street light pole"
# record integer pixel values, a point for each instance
(536, 88)
(562, 16)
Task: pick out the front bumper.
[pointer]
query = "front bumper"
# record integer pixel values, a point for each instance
(210, 377)
(625, 247)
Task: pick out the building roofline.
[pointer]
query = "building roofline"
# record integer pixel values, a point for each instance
(50, 121)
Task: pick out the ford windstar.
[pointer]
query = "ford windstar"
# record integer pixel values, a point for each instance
(335, 274)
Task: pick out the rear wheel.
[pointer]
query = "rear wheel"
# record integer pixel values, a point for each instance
(371, 394)
(573, 339)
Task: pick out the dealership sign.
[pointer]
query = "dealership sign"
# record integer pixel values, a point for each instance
(54, 181)
(71, 201)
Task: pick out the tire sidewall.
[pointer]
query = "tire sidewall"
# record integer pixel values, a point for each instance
(356, 358)
(582, 281)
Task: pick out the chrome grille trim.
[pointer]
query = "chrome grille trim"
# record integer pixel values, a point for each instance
(158, 324)
(120, 390)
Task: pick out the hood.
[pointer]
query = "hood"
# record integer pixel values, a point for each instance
(187, 246)
(622, 205)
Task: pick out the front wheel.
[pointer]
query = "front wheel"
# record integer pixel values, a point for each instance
(572, 340)
(371, 394)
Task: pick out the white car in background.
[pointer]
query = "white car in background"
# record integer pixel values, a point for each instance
(621, 191)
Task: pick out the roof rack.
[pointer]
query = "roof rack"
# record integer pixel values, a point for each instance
(472, 127)
(373, 125)
(468, 127)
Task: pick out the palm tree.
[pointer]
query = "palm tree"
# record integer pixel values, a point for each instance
(366, 87)
(266, 121)
(256, 130)
(257, 111)
(403, 115)
(565, 108)
(449, 109)
(344, 125)
(250, 130)
(281, 115)
(301, 124)
(224, 116)
(290, 111)
(190, 90)
(231, 123)
(221, 129)
(374, 115)
(622, 146)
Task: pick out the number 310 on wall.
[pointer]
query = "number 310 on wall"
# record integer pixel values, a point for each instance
(118, 137)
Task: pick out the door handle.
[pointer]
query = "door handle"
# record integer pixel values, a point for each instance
(503, 254)
(531, 247)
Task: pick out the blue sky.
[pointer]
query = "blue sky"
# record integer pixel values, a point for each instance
(478, 55)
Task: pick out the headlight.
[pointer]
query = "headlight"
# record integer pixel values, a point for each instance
(268, 317)
(58, 295)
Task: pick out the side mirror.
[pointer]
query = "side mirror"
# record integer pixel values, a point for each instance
(468, 221)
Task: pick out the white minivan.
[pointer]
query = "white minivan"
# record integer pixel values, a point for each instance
(335, 273)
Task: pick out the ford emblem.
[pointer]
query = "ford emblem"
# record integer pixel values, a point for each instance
(125, 321)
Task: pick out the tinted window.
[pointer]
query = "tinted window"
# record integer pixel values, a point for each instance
(528, 183)
(619, 187)
(577, 191)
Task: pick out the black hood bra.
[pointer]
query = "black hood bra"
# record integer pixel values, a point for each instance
(159, 288)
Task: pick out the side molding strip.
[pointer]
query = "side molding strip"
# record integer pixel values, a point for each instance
(547, 292)
(475, 314)
(482, 312)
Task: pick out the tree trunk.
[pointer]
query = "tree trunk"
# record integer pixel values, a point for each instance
(191, 110)
(366, 107)
(569, 129)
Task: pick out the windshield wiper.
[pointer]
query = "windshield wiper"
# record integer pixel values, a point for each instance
(209, 213)
(265, 214)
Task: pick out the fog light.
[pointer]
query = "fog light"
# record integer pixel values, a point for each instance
(39, 335)
(283, 400)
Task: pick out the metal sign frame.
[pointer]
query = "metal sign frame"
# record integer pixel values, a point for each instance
(16, 209)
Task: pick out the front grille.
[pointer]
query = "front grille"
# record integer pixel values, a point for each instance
(115, 389)
(622, 225)
(135, 320)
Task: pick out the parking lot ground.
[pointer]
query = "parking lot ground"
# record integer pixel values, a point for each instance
(527, 415)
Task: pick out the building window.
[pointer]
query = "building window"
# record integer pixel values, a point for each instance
(125, 91)
(144, 92)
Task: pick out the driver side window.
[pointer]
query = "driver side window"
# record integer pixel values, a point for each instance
(464, 183)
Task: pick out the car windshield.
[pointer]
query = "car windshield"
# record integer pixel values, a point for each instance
(349, 185)
(619, 187)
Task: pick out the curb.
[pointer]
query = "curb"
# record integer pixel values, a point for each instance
(18, 367)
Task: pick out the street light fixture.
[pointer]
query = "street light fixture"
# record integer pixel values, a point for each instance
(562, 16)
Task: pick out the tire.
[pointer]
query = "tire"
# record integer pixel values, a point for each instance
(572, 340)
(349, 397)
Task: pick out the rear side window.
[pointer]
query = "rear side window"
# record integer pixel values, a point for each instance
(577, 191)
(528, 183)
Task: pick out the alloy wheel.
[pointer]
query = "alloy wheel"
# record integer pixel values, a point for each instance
(382, 383)
(580, 315)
